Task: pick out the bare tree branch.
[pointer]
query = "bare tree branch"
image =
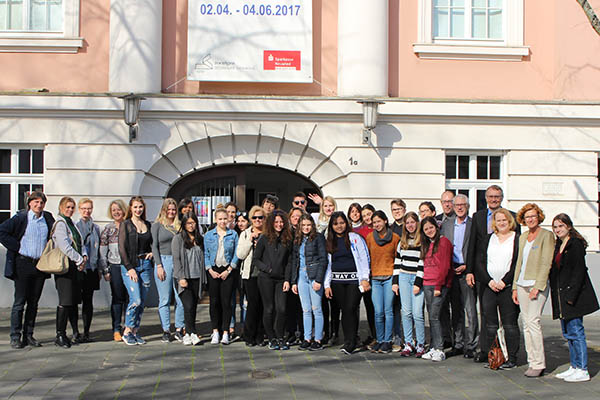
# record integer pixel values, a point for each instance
(590, 14)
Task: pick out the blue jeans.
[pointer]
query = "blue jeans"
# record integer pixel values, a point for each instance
(311, 305)
(383, 302)
(412, 309)
(137, 292)
(573, 331)
(166, 289)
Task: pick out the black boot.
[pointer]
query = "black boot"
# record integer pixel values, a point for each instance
(62, 315)
(74, 321)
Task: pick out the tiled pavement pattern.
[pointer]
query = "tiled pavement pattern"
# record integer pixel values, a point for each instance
(109, 370)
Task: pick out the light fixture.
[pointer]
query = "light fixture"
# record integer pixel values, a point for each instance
(131, 113)
(369, 118)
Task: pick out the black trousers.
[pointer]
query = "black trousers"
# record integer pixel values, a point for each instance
(370, 309)
(274, 302)
(491, 302)
(219, 291)
(119, 297)
(346, 297)
(482, 323)
(90, 283)
(189, 298)
(293, 314)
(253, 325)
(29, 283)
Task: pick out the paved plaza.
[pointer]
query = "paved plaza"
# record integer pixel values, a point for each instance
(109, 370)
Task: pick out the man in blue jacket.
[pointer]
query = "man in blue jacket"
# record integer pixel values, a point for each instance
(25, 235)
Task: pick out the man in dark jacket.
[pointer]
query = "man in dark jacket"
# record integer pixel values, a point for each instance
(25, 235)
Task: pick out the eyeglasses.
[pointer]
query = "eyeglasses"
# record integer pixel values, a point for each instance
(397, 209)
(460, 204)
(298, 202)
(258, 217)
(530, 216)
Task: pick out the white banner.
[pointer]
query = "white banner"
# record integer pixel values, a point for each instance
(250, 40)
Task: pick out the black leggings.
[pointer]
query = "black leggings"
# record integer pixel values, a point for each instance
(189, 298)
(346, 297)
(119, 298)
(274, 299)
(490, 303)
(253, 325)
(219, 291)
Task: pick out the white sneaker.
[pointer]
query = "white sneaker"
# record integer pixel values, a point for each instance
(580, 375)
(566, 373)
(428, 355)
(187, 340)
(194, 338)
(214, 338)
(438, 356)
(225, 339)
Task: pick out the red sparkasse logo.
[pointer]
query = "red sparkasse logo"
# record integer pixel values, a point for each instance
(281, 59)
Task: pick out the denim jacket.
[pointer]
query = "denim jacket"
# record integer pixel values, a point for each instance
(211, 245)
(360, 252)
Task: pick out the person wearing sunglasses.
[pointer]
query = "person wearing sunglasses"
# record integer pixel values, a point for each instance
(299, 200)
(253, 333)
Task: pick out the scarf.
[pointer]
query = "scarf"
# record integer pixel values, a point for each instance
(91, 241)
(74, 232)
(382, 241)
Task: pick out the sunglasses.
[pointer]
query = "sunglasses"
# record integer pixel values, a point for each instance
(258, 217)
(298, 202)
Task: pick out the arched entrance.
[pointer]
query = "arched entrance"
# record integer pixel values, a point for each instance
(244, 184)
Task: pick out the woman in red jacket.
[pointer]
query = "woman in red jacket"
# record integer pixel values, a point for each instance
(436, 251)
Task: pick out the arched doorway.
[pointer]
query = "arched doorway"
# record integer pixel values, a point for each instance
(244, 184)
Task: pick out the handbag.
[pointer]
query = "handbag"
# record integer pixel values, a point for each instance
(496, 356)
(53, 260)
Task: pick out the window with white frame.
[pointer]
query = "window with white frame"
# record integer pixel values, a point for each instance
(471, 29)
(471, 174)
(21, 171)
(40, 26)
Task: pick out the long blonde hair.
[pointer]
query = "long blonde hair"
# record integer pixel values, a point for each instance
(162, 216)
(322, 216)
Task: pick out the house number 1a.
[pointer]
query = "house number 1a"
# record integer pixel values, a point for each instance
(353, 161)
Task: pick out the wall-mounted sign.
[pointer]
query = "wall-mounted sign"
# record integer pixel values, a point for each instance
(250, 41)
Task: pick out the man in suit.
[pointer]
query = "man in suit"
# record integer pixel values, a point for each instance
(482, 227)
(25, 235)
(462, 296)
(447, 201)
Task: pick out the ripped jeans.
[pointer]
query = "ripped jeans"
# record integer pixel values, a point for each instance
(311, 305)
(137, 292)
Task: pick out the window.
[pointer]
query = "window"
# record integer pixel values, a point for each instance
(21, 171)
(471, 174)
(471, 29)
(50, 26)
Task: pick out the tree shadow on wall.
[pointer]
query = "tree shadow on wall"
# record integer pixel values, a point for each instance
(383, 140)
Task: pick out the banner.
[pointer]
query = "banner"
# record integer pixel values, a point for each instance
(250, 41)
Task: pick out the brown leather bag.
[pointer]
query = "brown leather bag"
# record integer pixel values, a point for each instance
(495, 355)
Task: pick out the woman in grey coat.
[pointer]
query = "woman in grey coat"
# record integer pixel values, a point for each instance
(189, 275)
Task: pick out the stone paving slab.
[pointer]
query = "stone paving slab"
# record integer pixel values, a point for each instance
(109, 370)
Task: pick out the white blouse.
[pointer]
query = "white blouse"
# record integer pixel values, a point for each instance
(499, 256)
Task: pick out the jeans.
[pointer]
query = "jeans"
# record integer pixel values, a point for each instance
(118, 296)
(137, 292)
(166, 289)
(311, 305)
(412, 309)
(573, 331)
(29, 284)
(383, 302)
(434, 309)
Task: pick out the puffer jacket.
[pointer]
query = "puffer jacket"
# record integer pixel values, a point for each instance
(315, 257)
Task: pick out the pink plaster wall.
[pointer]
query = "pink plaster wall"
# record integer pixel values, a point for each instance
(564, 60)
(85, 71)
(174, 67)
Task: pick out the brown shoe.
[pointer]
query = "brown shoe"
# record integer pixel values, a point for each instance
(534, 373)
(117, 336)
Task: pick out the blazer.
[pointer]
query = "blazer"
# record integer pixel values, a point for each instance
(539, 261)
(570, 283)
(481, 272)
(447, 230)
(11, 233)
(478, 239)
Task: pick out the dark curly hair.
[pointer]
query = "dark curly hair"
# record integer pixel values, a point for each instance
(285, 236)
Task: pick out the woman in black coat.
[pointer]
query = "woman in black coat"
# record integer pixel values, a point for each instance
(572, 294)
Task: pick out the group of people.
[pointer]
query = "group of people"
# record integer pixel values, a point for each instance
(297, 275)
